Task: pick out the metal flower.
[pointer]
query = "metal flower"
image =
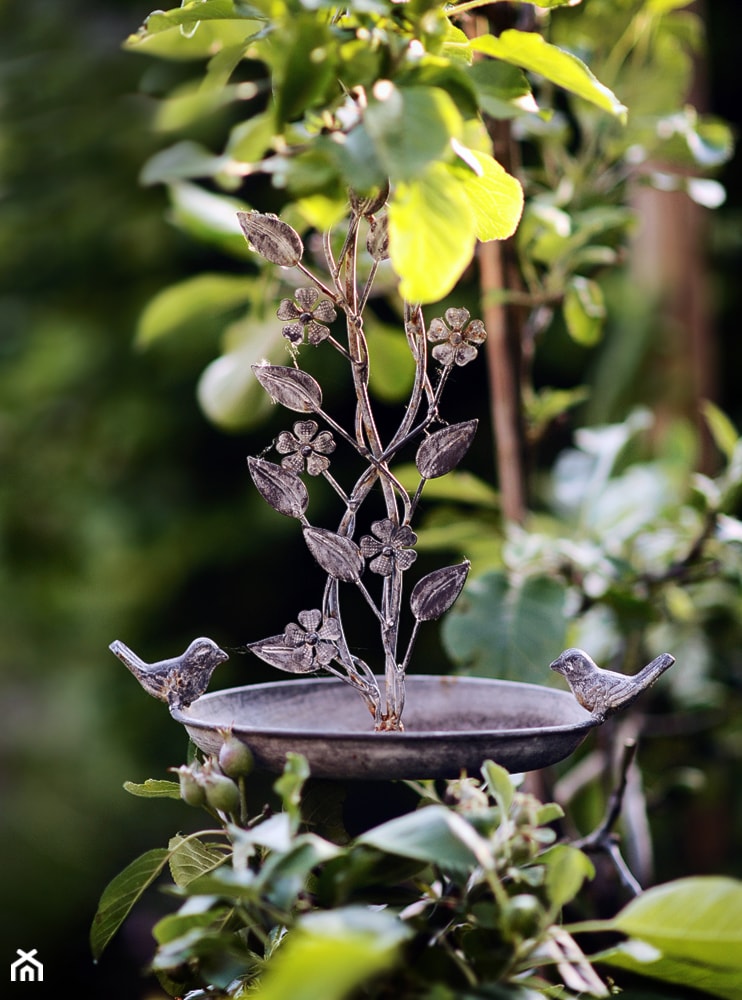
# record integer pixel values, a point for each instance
(389, 546)
(305, 449)
(306, 312)
(458, 341)
(314, 640)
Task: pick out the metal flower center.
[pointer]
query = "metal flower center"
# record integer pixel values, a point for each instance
(306, 317)
(456, 338)
(306, 450)
(388, 551)
(312, 638)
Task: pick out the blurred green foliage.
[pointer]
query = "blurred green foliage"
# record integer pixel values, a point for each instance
(124, 513)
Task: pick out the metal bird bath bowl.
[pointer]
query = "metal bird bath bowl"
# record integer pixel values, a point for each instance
(451, 724)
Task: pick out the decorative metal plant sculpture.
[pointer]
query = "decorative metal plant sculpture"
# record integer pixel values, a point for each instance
(381, 547)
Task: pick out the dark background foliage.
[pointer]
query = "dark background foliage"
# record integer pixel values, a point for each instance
(123, 512)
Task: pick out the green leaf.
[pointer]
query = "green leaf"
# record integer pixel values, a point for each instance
(228, 392)
(566, 870)
(248, 140)
(181, 161)
(192, 13)
(191, 858)
(209, 217)
(329, 955)
(410, 127)
(289, 786)
(154, 789)
(194, 300)
(495, 197)
(168, 42)
(121, 894)
(642, 959)
(547, 404)
(188, 104)
(697, 919)
(176, 925)
(584, 310)
(532, 52)
(721, 428)
(499, 784)
(304, 67)
(434, 835)
(392, 368)
(510, 631)
(457, 486)
(432, 233)
(503, 90)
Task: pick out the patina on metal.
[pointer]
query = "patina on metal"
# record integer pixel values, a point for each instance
(452, 724)
(372, 544)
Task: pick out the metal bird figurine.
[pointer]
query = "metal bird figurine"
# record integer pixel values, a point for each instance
(179, 680)
(603, 692)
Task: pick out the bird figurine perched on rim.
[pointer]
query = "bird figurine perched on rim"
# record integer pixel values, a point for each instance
(604, 692)
(179, 680)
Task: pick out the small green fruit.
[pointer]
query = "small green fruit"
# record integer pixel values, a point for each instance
(191, 790)
(522, 917)
(222, 793)
(235, 757)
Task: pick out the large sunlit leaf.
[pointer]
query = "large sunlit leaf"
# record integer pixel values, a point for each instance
(432, 233)
(532, 52)
(496, 198)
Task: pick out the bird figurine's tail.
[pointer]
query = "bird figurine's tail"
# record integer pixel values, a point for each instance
(604, 692)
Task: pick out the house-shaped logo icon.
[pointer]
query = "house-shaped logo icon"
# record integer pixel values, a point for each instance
(26, 968)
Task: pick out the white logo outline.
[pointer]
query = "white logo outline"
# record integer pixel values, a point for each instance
(26, 968)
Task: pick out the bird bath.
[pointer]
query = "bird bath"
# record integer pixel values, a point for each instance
(451, 724)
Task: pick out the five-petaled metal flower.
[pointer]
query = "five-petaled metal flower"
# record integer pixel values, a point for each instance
(389, 546)
(305, 449)
(314, 640)
(308, 316)
(458, 341)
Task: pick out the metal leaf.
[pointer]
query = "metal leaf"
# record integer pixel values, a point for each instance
(338, 555)
(377, 241)
(432, 596)
(278, 653)
(282, 488)
(293, 388)
(442, 451)
(272, 238)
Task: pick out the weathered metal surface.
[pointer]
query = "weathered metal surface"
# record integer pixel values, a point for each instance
(451, 723)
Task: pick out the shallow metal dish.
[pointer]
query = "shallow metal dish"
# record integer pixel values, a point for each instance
(451, 724)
